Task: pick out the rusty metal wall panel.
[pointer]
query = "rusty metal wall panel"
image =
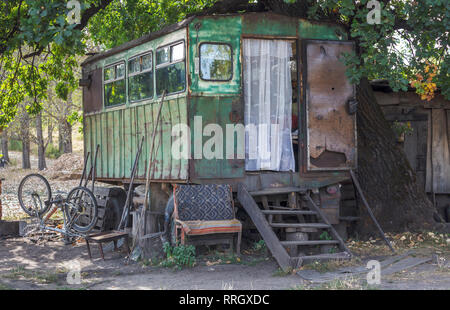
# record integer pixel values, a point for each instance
(331, 130)
(92, 95)
(119, 131)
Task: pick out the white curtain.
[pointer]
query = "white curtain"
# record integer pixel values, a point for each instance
(268, 105)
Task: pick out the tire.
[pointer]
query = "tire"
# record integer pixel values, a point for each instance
(81, 198)
(40, 196)
(114, 209)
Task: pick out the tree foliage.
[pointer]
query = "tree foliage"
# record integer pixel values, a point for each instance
(38, 44)
(409, 45)
(125, 20)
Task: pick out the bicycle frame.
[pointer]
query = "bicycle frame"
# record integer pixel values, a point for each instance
(67, 224)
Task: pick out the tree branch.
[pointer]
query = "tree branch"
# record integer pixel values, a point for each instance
(91, 12)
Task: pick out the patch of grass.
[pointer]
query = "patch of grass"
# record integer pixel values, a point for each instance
(259, 246)
(179, 256)
(41, 277)
(222, 258)
(281, 273)
(325, 236)
(332, 265)
(320, 266)
(348, 283)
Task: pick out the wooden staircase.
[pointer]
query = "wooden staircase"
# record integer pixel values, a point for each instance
(273, 220)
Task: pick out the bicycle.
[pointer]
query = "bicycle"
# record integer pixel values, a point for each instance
(79, 208)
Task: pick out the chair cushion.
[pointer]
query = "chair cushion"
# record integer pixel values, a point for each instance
(210, 227)
(209, 202)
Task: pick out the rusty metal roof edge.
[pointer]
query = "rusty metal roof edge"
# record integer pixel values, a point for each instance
(130, 44)
(184, 23)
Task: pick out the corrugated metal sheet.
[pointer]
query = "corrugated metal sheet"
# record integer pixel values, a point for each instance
(118, 132)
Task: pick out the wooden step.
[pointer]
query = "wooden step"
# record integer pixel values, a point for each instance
(277, 191)
(349, 218)
(273, 243)
(309, 242)
(288, 212)
(300, 225)
(340, 255)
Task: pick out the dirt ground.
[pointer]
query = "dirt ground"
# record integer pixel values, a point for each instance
(25, 265)
(28, 265)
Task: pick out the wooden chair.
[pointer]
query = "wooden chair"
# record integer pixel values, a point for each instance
(205, 214)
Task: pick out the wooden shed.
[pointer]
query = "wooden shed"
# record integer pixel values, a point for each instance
(427, 146)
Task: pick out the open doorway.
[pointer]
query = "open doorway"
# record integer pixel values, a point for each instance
(270, 84)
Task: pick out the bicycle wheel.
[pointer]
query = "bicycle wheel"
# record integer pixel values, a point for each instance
(34, 194)
(81, 209)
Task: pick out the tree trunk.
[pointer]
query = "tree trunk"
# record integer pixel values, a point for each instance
(65, 137)
(50, 131)
(388, 181)
(5, 151)
(40, 142)
(25, 135)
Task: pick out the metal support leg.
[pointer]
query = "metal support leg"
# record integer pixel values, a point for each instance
(101, 250)
(238, 245)
(89, 249)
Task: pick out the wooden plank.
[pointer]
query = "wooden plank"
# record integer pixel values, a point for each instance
(174, 109)
(438, 168)
(184, 163)
(309, 242)
(342, 255)
(289, 212)
(300, 225)
(277, 191)
(271, 240)
(166, 140)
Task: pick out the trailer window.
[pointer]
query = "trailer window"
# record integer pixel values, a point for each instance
(216, 62)
(140, 77)
(114, 84)
(170, 69)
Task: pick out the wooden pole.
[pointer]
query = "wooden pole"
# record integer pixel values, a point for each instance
(141, 224)
(366, 204)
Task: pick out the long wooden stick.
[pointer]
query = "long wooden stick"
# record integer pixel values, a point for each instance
(363, 198)
(126, 209)
(141, 224)
(152, 146)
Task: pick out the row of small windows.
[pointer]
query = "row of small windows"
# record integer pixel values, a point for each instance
(215, 65)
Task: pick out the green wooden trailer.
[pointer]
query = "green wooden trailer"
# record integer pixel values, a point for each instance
(229, 70)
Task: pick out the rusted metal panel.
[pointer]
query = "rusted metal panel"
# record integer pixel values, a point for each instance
(331, 129)
(92, 95)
